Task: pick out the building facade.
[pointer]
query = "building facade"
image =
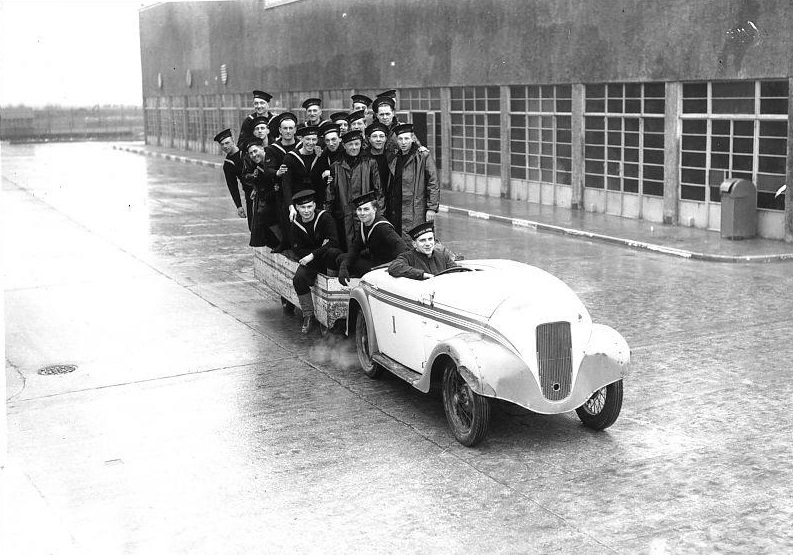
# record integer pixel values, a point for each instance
(634, 108)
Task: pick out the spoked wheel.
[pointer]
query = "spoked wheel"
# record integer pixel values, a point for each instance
(602, 409)
(287, 307)
(467, 412)
(370, 367)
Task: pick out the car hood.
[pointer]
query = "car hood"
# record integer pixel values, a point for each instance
(503, 285)
(515, 298)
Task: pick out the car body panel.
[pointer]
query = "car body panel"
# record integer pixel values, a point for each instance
(485, 321)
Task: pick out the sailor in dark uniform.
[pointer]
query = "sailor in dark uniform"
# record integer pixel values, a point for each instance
(375, 243)
(376, 137)
(350, 177)
(333, 152)
(384, 107)
(423, 261)
(357, 120)
(274, 170)
(340, 119)
(362, 102)
(261, 108)
(315, 246)
(313, 108)
(232, 171)
(303, 170)
(261, 128)
(264, 213)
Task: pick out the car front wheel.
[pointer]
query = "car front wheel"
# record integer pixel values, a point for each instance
(370, 367)
(602, 408)
(467, 412)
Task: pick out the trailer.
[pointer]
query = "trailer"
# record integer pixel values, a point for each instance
(331, 298)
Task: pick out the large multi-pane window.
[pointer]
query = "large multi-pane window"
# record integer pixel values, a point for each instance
(211, 121)
(624, 137)
(179, 115)
(476, 130)
(424, 107)
(229, 112)
(420, 100)
(194, 129)
(151, 119)
(166, 121)
(540, 133)
(734, 129)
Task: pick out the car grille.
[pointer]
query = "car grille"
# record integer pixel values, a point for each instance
(554, 359)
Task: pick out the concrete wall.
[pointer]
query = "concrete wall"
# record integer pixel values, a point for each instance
(378, 44)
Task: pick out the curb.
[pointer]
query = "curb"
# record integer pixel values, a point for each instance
(573, 232)
(531, 224)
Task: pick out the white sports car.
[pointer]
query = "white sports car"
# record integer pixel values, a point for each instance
(490, 329)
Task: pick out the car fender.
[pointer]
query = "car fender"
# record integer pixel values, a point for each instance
(607, 344)
(472, 353)
(492, 370)
(359, 305)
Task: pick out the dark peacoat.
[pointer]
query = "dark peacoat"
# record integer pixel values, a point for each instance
(347, 183)
(420, 189)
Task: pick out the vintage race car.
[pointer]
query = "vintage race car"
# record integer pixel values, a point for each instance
(490, 329)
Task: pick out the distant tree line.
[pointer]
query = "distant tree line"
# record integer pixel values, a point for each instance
(58, 123)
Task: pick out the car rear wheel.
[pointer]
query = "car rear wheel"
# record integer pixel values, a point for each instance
(602, 408)
(370, 367)
(467, 412)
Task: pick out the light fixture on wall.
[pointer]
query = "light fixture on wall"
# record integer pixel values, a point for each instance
(188, 78)
(159, 80)
(224, 74)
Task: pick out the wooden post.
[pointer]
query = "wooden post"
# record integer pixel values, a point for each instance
(577, 146)
(672, 135)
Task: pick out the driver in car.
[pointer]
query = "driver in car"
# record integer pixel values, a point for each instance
(424, 261)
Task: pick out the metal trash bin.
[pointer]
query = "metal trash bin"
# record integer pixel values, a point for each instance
(738, 209)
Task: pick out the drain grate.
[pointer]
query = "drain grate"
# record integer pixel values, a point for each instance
(53, 369)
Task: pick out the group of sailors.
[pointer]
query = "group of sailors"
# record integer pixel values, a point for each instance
(340, 196)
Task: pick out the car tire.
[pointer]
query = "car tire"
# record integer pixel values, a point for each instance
(602, 408)
(467, 412)
(369, 367)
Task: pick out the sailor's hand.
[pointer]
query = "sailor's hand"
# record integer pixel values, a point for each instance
(281, 170)
(292, 213)
(431, 215)
(344, 275)
(306, 259)
(240, 212)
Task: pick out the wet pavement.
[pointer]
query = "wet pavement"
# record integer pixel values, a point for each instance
(199, 421)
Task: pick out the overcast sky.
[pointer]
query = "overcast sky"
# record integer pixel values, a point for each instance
(76, 53)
